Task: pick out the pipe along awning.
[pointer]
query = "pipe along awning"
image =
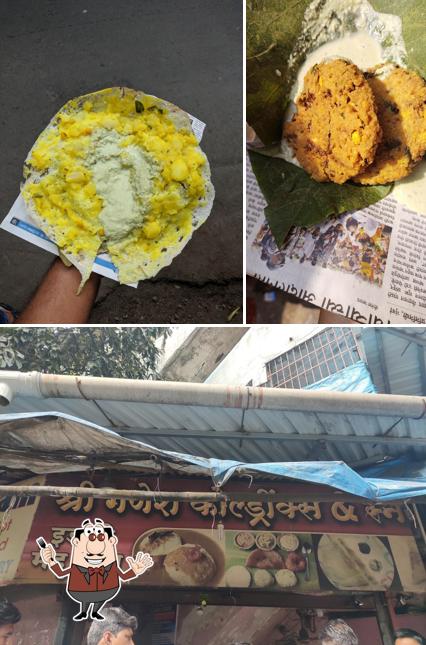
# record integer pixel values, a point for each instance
(237, 423)
(54, 442)
(37, 385)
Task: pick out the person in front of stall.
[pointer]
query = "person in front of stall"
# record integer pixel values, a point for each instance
(337, 632)
(118, 628)
(9, 616)
(408, 637)
(94, 576)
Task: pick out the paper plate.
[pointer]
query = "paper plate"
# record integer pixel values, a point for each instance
(131, 257)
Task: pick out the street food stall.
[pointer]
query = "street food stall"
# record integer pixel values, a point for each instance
(308, 550)
(243, 552)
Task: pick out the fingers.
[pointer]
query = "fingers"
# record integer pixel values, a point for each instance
(49, 551)
(148, 560)
(141, 563)
(144, 559)
(48, 554)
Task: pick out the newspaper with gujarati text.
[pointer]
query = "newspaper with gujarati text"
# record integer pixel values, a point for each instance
(367, 265)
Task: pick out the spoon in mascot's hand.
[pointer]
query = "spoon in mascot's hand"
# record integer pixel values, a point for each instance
(306, 550)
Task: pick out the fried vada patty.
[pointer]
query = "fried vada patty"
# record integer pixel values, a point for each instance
(335, 131)
(401, 98)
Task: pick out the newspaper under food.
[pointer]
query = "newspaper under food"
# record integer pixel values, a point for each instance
(119, 171)
(367, 265)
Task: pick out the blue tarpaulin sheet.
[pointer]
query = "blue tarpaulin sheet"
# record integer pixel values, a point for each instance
(354, 378)
(336, 474)
(396, 468)
(378, 485)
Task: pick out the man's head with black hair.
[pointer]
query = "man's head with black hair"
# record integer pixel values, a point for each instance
(408, 637)
(94, 544)
(108, 530)
(351, 224)
(9, 616)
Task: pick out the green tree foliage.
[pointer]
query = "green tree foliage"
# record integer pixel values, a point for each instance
(120, 352)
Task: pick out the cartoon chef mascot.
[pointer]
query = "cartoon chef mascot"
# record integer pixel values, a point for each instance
(94, 576)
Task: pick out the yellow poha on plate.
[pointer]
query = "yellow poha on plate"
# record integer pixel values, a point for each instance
(118, 171)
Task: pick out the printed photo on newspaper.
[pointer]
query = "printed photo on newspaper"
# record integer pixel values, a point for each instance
(368, 265)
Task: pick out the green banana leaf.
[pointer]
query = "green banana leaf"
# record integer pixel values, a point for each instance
(294, 199)
(271, 32)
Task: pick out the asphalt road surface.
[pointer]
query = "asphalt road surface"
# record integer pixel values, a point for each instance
(188, 52)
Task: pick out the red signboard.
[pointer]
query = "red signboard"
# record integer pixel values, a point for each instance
(311, 523)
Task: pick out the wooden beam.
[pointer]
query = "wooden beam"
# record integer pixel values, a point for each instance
(107, 493)
(384, 619)
(249, 598)
(179, 496)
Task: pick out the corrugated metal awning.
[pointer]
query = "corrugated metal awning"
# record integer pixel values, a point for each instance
(52, 443)
(259, 431)
(396, 357)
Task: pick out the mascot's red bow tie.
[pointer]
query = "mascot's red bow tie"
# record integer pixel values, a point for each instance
(93, 570)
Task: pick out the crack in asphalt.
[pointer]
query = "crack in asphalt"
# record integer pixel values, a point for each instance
(170, 281)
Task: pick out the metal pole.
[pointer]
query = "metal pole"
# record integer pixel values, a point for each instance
(39, 385)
